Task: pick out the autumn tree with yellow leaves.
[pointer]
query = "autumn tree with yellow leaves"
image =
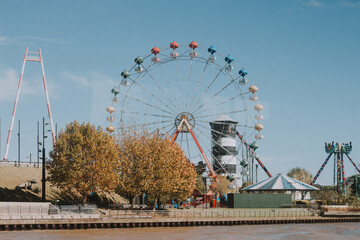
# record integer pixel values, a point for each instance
(150, 163)
(84, 159)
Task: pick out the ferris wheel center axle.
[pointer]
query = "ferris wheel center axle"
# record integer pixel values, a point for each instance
(184, 122)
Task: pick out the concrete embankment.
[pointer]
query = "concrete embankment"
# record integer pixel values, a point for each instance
(25, 217)
(86, 222)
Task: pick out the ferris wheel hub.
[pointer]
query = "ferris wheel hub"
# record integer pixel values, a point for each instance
(184, 122)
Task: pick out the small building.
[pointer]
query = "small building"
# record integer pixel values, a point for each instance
(272, 193)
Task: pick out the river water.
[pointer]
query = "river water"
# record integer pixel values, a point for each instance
(326, 231)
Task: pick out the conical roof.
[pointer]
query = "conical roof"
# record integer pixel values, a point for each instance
(281, 182)
(225, 118)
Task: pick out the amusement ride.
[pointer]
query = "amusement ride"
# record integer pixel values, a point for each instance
(200, 99)
(338, 150)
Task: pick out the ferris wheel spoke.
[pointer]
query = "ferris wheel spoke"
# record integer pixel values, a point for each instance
(252, 119)
(251, 134)
(188, 83)
(185, 52)
(198, 84)
(146, 103)
(238, 125)
(162, 90)
(209, 150)
(217, 114)
(151, 94)
(146, 114)
(210, 84)
(221, 103)
(210, 98)
(134, 81)
(149, 124)
(212, 130)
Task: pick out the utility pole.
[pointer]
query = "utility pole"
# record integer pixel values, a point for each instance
(38, 145)
(0, 137)
(19, 145)
(256, 166)
(43, 164)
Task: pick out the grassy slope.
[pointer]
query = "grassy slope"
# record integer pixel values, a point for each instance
(11, 176)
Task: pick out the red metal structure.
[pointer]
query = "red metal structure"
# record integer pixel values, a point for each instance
(184, 126)
(253, 153)
(31, 57)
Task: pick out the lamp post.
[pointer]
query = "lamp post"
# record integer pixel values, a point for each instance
(29, 158)
(38, 143)
(19, 145)
(205, 191)
(256, 166)
(43, 163)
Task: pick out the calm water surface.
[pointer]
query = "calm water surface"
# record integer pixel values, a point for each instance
(326, 231)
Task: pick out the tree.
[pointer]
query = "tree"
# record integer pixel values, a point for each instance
(151, 164)
(301, 174)
(222, 186)
(353, 185)
(84, 159)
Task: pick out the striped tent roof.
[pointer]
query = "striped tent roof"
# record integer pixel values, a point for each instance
(281, 182)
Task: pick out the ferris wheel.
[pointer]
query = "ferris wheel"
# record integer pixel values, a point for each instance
(197, 97)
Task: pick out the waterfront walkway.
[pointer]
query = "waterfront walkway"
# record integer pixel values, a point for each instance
(126, 219)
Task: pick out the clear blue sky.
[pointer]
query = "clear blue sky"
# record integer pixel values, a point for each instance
(304, 55)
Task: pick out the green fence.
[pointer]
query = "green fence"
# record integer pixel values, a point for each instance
(258, 200)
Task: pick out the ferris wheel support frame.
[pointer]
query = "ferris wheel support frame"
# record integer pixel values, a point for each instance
(187, 125)
(253, 152)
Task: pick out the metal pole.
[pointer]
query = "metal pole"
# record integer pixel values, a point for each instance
(0, 137)
(252, 170)
(14, 109)
(321, 168)
(334, 170)
(43, 164)
(353, 163)
(19, 145)
(47, 98)
(256, 172)
(252, 151)
(356, 185)
(37, 144)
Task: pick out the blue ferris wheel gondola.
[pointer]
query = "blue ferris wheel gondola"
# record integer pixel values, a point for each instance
(212, 49)
(243, 72)
(229, 59)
